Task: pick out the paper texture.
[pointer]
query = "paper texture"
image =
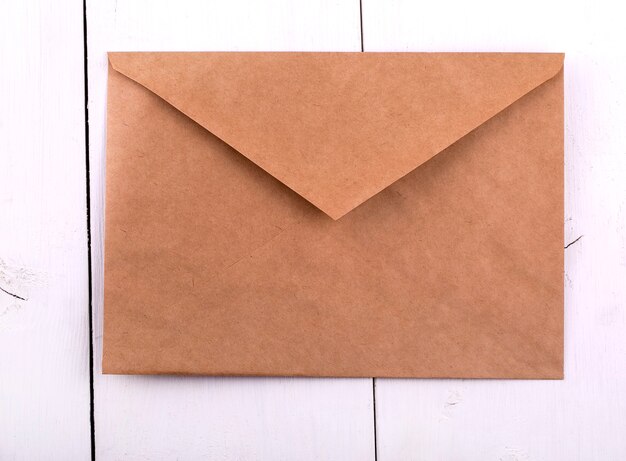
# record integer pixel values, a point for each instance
(335, 214)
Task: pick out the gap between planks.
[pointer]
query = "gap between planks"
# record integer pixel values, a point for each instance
(88, 224)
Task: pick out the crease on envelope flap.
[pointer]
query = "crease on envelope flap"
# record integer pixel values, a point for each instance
(338, 128)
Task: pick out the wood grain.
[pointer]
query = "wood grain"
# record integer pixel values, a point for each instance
(44, 327)
(44, 363)
(217, 418)
(584, 416)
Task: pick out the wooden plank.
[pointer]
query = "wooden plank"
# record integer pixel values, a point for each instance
(44, 328)
(217, 418)
(584, 416)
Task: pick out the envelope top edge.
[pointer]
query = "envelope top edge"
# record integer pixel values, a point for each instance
(337, 128)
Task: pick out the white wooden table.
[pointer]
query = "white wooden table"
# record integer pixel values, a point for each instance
(51, 381)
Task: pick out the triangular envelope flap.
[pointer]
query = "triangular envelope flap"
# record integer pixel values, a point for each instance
(337, 128)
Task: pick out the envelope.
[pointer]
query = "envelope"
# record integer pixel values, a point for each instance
(334, 214)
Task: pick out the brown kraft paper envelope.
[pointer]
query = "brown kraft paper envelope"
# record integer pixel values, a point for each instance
(335, 214)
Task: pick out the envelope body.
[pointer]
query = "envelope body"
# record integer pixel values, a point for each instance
(334, 214)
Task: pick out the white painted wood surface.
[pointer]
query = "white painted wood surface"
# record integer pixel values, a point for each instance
(44, 337)
(44, 374)
(584, 416)
(162, 418)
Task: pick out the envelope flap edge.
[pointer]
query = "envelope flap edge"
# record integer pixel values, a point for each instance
(338, 128)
